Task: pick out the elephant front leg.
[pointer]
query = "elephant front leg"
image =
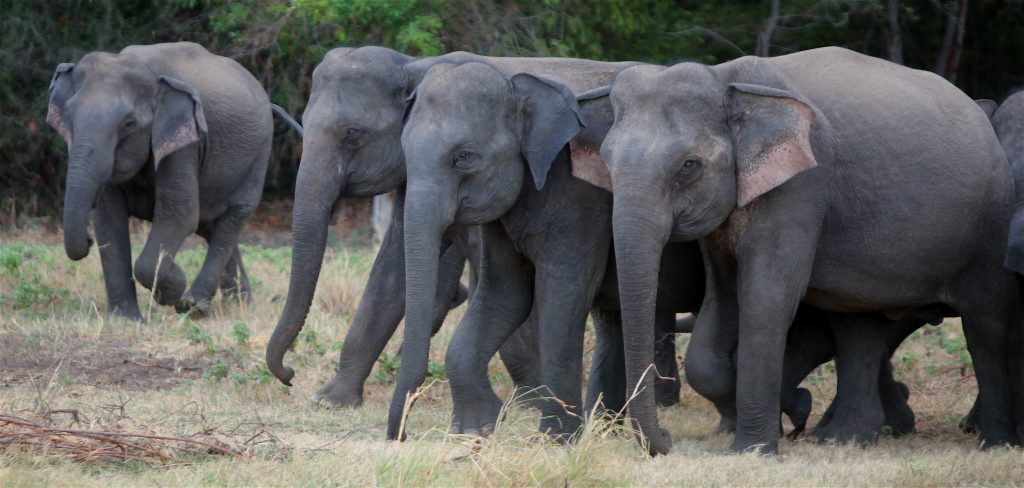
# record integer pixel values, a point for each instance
(175, 216)
(381, 308)
(110, 219)
(606, 388)
(501, 302)
(666, 384)
(565, 290)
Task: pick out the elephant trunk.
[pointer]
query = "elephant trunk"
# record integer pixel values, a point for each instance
(640, 236)
(90, 163)
(425, 225)
(314, 197)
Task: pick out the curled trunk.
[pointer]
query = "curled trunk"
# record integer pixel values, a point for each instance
(314, 196)
(89, 165)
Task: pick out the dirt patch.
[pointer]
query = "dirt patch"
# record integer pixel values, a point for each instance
(110, 362)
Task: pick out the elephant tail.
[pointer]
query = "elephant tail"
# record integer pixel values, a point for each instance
(283, 115)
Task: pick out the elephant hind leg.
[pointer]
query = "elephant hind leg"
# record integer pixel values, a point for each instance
(606, 387)
(234, 281)
(856, 412)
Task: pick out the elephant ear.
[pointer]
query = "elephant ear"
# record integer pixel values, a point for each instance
(60, 91)
(551, 118)
(987, 106)
(178, 120)
(771, 132)
(585, 149)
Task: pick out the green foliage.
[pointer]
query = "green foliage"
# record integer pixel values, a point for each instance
(387, 369)
(281, 42)
(309, 338)
(218, 371)
(198, 335)
(23, 287)
(241, 333)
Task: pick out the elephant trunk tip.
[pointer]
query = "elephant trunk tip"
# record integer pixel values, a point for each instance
(77, 249)
(284, 374)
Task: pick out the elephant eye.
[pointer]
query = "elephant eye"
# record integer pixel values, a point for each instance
(689, 172)
(351, 136)
(128, 125)
(462, 158)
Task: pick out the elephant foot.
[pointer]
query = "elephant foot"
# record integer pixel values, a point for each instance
(899, 417)
(339, 393)
(846, 428)
(477, 419)
(666, 392)
(127, 312)
(192, 305)
(744, 445)
(561, 428)
(969, 424)
(798, 411)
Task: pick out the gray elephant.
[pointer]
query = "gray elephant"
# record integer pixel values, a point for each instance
(168, 133)
(546, 245)
(848, 182)
(352, 147)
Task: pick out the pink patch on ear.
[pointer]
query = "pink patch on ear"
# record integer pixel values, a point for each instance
(184, 135)
(588, 166)
(56, 120)
(769, 164)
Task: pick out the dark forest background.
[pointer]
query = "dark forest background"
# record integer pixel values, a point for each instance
(977, 44)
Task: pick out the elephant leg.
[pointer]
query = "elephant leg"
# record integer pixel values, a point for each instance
(234, 281)
(502, 300)
(969, 424)
(175, 216)
(899, 417)
(380, 310)
(521, 355)
(987, 338)
(666, 384)
(709, 366)
(606, 387)
(562, 307)
(808, 344)
(110, 219)
(223, 244)
(857, 415)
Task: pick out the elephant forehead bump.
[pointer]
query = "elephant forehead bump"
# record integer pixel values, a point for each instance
(473, 81)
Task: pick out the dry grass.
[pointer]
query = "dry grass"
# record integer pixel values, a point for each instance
(173, 375)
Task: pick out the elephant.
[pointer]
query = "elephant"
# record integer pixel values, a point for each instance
(155, 132)
(547, 247)
(352, 148)
(823, 177)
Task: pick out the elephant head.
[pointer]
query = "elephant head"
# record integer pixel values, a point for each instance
(475, 140)
(116, 115)
(684, 152)
(351, 147)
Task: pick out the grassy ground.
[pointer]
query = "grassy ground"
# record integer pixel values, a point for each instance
(181, 376)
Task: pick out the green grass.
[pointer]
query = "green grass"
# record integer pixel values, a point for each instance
(54, 334)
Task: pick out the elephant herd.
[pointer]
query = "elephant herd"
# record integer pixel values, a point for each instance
(818, 205)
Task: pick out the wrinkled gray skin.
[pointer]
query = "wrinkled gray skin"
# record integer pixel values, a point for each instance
(169, 133)
(547, 250)
(546, 235)
(809, 176)
(352, 147)
(1008, 122)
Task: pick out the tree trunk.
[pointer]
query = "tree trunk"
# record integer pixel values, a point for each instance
(949, 55)
(764, 38)
(895, 35)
